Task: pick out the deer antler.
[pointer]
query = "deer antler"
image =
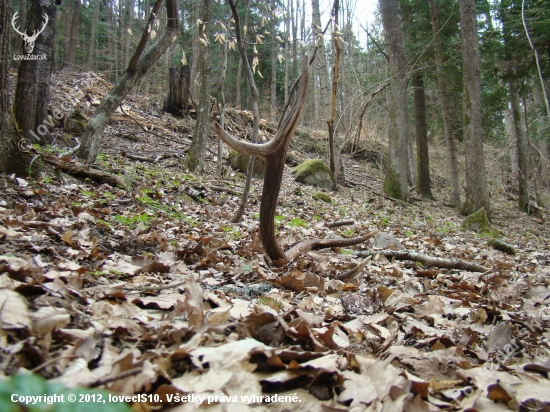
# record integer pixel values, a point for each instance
(35, 34)
(274, 154)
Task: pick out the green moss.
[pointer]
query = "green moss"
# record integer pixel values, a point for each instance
(239, 162)
(322, 197)
(477, 221)
(392, 184)
(501, 245)
(314, 172)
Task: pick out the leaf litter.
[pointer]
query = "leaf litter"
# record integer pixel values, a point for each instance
(150, 291)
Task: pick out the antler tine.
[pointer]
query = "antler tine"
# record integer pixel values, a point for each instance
(259, 150)
(13, 20)
(289, 124)
(35, 33)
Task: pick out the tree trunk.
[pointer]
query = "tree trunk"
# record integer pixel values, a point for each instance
(240, 67)
(178, 91)
(543, 136)
(520, 139)
(294, 20)
(196, 50)
(335, 154)
(91, 50)
(273, 66)
(194, 159)
(75, 22)
(33, 80)
(321, 65)
(130, 4)
(255, 113)
(69, 5)
(445, 108)
(139, 65)
(511, 140)
(423, 185)
(477, 193)
(13, 158)
(219, 166)
(397, 167)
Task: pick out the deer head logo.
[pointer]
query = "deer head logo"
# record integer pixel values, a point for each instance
(29, 40)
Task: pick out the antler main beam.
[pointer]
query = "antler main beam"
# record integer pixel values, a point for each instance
(274, 154)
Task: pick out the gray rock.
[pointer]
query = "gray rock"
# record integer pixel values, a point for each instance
(384, 240)
(314, 172)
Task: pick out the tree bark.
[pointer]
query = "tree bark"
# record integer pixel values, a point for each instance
(335, 154)
(240, 67)
(140, 63)
(130, 4)
(33, 81)
(511, 140)
(273, 66)
(321, 65)
(543, 136)
(397, 167)
(12, 159)
(95, 18)
(423, 185)
(178, 91)
(75, 22)
(69, 5)
(520, 139)
(196, 47)
(445, 108)
(194, 159)
(477, 193)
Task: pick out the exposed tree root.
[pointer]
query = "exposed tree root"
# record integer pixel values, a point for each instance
(427, 260)
(82, 170)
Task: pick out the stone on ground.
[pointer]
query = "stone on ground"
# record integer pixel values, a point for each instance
(314, 172)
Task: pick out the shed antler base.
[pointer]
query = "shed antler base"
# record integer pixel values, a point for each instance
(274, 154)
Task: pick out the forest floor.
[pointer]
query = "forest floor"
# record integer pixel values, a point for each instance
(151, 290)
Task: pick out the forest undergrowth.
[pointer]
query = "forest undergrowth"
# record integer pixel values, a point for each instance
(150, 289)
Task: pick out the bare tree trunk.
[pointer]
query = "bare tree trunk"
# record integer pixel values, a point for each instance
(335, 154)
(520, 139)
(255, 113)
(511, 139)
(178, 91)
(141, 62)
(321, 65)
(69, 6)
(543, 136)
(95, 18)
(12, 159)
(240, 67)
(477, 193)
(194, 159)
(75, 22)
(287, 52)
(294, 20)
(219, 166)
(273, 66)
(130, 4)
(445, 108)
(397, 167)
(33, 81)
(423, 184)
(196, 46)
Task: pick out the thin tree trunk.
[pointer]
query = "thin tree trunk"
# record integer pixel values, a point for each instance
(543, 125)
(511, 140)
(294, 20)
(321, 65)
(141, 62)
(273, 66)
(255, 113)
(69, 5)
(521, 140)
(75, 22)
(397, 167)
(423, 185)
(95, 18)
(477, 193)
(130, 4)
(445, 108)
(196, 46)
(240, 67)
(335, 154)
(33, 80)
(219, 166)
(287, 52)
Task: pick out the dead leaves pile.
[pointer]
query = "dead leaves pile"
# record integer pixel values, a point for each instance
(163, 306)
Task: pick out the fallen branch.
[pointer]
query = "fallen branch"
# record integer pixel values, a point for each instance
(340, 223)
(224, 189)
(350, 274)
(81, 170)
(307, 245)
(426, 260)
